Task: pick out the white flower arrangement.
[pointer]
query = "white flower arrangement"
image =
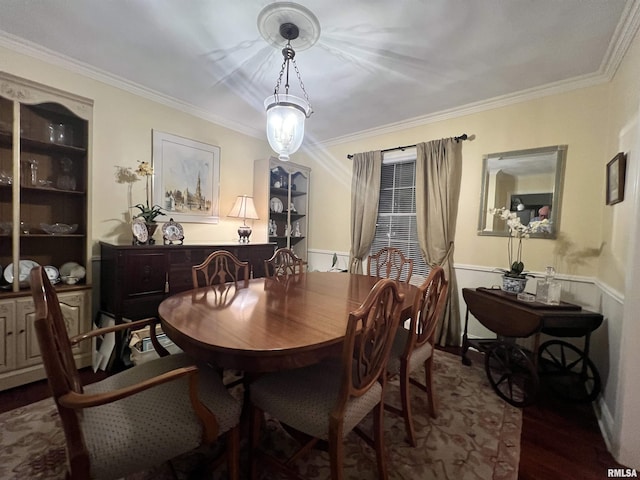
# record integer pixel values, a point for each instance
(519, 231)
(128, 176)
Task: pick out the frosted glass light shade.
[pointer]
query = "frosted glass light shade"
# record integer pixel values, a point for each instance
(285, 123)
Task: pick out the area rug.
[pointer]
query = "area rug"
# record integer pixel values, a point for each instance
(475, 436)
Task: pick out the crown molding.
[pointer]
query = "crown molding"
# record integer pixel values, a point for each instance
(476, 107)
(39, 52)
(623, 35)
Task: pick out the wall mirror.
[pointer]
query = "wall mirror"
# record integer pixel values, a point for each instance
(524, 181)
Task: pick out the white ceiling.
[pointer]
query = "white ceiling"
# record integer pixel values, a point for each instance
(377, 63)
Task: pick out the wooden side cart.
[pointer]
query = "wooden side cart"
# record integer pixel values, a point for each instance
(513, 372)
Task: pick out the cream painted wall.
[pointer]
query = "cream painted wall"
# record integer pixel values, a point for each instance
(573, 118)
(623, 97)
(122, 125)
(621, 230)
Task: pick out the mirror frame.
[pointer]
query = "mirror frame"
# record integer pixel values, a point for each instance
(560, 152)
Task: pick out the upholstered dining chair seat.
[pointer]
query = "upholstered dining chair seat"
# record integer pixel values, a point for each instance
(303, 398)
(417, 359)
(140, 431)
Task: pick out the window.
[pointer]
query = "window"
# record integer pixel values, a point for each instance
(396, 224)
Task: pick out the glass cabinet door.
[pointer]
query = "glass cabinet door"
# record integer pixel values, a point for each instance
(43, 190)
(6, 185)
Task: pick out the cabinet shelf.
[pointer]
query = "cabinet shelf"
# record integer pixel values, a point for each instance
(283, 192)
(31, 145)
(283, 215)
(48, 235)
(51, 190)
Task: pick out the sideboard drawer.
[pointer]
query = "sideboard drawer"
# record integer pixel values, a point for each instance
(144, 274)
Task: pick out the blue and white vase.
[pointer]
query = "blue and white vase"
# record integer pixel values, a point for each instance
(513, 284)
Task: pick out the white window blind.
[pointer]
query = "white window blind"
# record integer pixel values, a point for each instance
(396, 224)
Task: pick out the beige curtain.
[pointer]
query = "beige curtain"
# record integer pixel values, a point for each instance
(438, 173)
(365, 191)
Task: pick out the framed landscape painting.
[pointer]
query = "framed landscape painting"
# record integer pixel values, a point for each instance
(186, 178)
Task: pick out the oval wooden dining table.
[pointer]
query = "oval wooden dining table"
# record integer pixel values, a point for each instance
(273, 324)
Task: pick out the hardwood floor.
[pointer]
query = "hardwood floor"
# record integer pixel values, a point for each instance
(559, 440)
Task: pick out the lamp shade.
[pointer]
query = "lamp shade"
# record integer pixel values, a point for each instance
(285, 123)
(243, 208)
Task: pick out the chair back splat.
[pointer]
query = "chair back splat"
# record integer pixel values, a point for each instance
(390, 262)
(221, 267)
(284, 262)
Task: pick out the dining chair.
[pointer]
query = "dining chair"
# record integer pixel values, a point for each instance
(390, 262)
(413, 347)
(328, 400)
(221, 267)
(221, 270)
(283, 262)
(137, 418)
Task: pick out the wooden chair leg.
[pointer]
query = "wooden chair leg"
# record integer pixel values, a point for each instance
(233, 453)
(378, 435)
(336, 450)
(428, 366)
(406, 405)
(255, 426)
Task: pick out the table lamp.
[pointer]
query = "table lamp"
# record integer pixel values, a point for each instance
(244, 208)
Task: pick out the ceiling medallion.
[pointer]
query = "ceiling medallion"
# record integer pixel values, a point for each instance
(275, 14)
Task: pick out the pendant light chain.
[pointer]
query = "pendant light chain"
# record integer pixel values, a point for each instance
(306, 97)
(288, 53)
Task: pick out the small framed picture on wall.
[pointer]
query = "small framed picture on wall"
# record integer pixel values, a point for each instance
(616, 170)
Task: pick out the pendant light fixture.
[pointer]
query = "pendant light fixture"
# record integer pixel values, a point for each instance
(287, 113)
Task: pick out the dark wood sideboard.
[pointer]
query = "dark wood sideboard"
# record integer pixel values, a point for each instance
(134, 279)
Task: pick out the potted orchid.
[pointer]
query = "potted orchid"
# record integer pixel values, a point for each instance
(515, 278)
(148, 213)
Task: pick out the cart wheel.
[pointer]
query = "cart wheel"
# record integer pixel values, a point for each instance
(512, 374)
(569, 373)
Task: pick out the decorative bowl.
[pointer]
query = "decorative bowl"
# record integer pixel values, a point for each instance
(69, 280)
(59, 228)
(78, 272)
(73, 269)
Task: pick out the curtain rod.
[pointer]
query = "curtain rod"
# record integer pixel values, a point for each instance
(460, 138)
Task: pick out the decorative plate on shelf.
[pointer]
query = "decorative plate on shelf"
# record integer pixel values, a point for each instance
(24, 270)
(52, 273)
(172, 232)
(276, 205)
(139, 229)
